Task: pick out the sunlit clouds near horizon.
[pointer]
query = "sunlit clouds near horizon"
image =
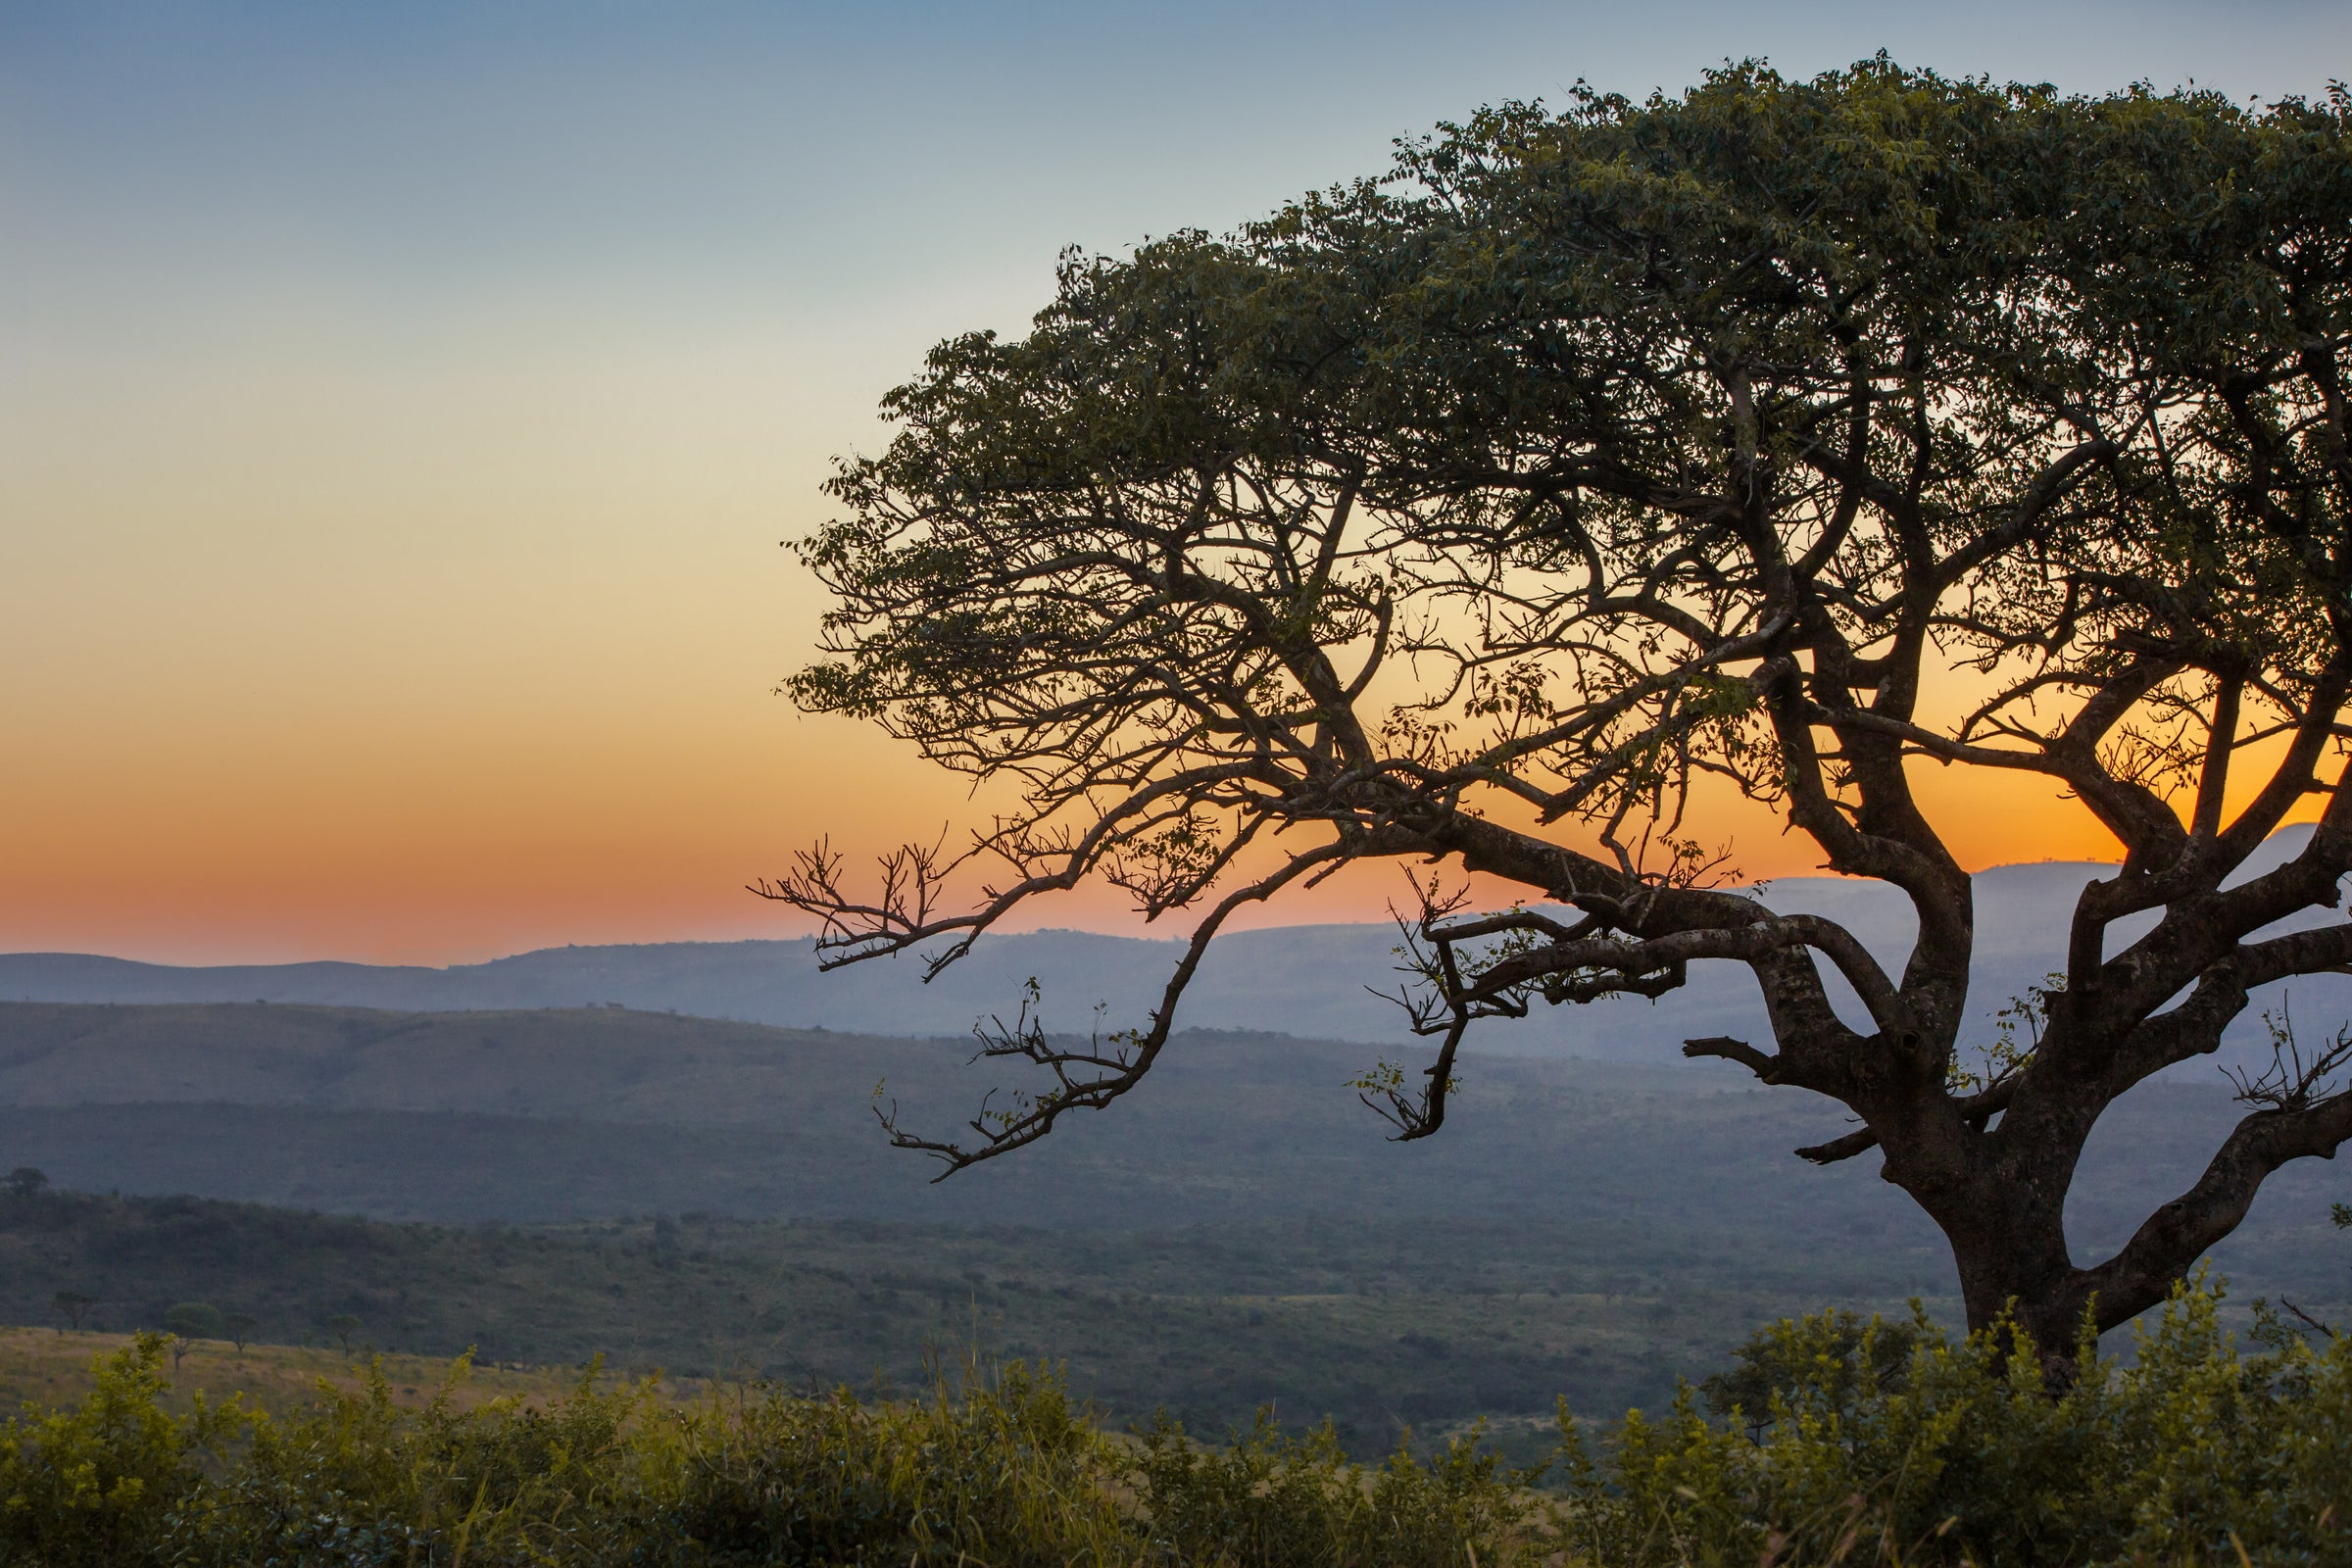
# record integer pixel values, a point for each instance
(401, 406)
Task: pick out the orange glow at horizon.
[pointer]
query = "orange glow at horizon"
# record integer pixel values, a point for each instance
(443, 710)
(443, 685)
(375, 846)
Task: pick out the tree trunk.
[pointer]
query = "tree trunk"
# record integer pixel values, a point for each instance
(2016, 1269)
(2001, 1204)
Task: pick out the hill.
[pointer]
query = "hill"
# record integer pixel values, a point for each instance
(1377, 1326)
(1378, 1323)
(1236, 1231)
(590, 1113)
(1312, 981)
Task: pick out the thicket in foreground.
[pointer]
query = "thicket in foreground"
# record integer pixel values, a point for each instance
(1958, 1452)
(1952, 1453)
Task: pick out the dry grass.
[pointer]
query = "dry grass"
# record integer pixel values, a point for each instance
(52, 1368)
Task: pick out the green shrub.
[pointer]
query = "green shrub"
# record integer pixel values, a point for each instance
(1002, 1470)
(1270, 1501)
(1827, 1362)
(1953, 1452)
(2188, 1454)
(94, 1485)
(357, 1481)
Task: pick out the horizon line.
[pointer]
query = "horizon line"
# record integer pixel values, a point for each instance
(1024, 931)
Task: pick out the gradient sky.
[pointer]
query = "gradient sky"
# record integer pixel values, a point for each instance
(400, 405)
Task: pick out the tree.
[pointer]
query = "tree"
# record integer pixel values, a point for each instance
(26, 1181)
(1511, 513)
(343, 1325)
(74, 1306)
(196, 1320)
(239, 1327)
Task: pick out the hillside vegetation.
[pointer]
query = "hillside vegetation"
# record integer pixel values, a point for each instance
(596, 1113)
(1373, 1327)
(1239, 1232)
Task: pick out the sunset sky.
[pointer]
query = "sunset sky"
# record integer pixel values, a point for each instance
(400, 405)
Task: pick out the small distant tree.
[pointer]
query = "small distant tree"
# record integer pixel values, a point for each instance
(239, 1327)
(343, 1325)
(74, 1306)
(26, 1181)
(196, 1320)
(664, 1248)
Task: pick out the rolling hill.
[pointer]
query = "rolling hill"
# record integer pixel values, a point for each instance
(1310, 981)
(583, 1114)
(1237, 1230)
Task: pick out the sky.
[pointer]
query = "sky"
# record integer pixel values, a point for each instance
(401, 404)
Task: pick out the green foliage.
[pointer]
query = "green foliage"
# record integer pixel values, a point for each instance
(1962, 1454)
(1967, 1456)
(197, 1320)
(1000, 1470)
(96, 1483)
(357, 1481)
(1826, 1364)
(1272, 1500)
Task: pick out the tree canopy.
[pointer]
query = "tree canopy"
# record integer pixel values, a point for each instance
(1492, 512)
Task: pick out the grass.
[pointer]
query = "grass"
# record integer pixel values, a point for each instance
(54, 1367)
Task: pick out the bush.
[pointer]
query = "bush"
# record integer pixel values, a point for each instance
(2189, 1453)
(997, 1470)
(94, 1484)
(357, 1481)
(1270, 1501)
(1949, 1452)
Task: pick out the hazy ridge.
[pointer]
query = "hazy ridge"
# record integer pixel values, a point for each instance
(1311, 981)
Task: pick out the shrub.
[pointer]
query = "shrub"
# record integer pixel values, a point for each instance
(1270, 1501)
(92, 1485)
(357, 1481)
(2188, 1454)
(1000, 1469)
(1955, 1451)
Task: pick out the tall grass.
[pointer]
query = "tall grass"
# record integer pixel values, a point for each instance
(1839, 1452)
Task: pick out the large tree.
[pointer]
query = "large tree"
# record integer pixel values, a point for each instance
(1507, 512)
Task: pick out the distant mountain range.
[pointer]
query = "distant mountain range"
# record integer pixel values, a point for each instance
(1311, 981)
